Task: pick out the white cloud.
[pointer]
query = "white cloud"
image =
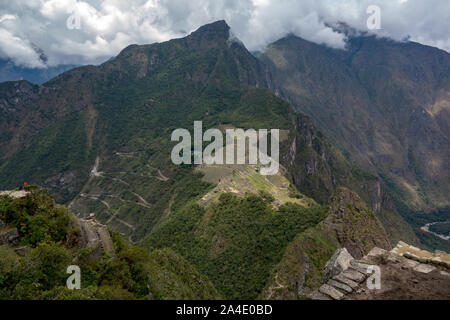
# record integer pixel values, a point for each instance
(20, 51)
(107, 26)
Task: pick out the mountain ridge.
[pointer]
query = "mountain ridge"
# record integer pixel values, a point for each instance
(95, 110)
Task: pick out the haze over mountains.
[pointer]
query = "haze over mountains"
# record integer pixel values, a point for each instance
(372, 119)
(10, 72)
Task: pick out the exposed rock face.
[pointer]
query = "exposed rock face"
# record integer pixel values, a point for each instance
(14, 193)
(217, 34)
(8, 236)
(96, 237)
(356, 228)
(331, 292)
(317, 169)
(400, 278)
(386, 103)
(349, 232)
(339, 262)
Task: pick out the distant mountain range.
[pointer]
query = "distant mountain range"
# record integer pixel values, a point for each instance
(385, 104)
(370, 121)
(10, 72)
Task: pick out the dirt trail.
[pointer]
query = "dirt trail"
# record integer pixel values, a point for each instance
(83, 195)
(129, 225)
(142, 199)
(163, 177)
(146, 204)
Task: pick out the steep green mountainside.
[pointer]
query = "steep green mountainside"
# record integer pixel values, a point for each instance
(99, 137)
(123, 116)
(317, 168)
(50, 241)
(235, 241)
(385, 104)
(349, 224)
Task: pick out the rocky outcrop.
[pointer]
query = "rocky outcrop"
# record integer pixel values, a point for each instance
(9, 236)
(14, 193)
(349, 232)
(96, 237)
(342, 275)
(317, 169)
(339, 262)
(400, 277)
(356, 228)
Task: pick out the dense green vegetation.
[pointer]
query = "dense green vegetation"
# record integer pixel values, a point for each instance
(133, 104)
(136, 101)
(129, 125)
(36, 218)
(237, 241)
(53, 243)
(349, 224)
(301, 267)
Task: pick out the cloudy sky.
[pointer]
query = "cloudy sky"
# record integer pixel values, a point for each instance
(91, 31)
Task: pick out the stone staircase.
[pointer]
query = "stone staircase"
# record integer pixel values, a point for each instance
(344, 276)
(343, 279)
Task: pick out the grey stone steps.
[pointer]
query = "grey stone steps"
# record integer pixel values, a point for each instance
(358, 266)
(341, 278)
(331, 292)
(340, 286)
(354, 275)
(316, 295)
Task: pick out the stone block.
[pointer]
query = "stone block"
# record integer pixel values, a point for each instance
(339, 262)
(424, 268)
(331, 292)
(346, 281)
(354, 275)
(340, 286)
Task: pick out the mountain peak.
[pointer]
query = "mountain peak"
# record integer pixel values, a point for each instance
(210, 35)
(217, 26)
